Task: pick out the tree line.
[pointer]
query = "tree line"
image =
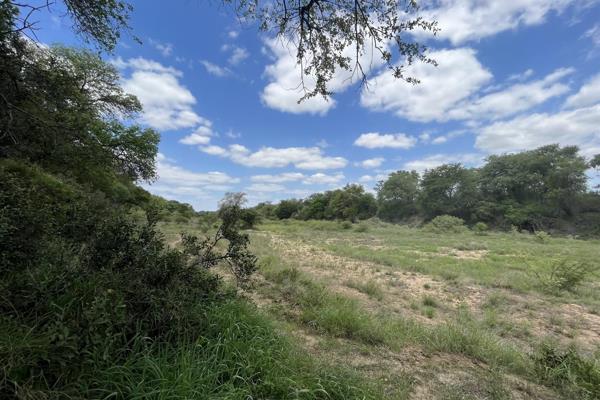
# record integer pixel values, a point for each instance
(546, 188)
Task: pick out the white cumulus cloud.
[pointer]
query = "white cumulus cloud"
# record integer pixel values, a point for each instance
(310, 158)
(458, 76)
(285, 85)
(587, 95)
(466, 20)
(215, 69)
(371, 162)
(580, 127)
(324, 179)
(374, 140)
(513, 99)
(279, 178)
(167, 103)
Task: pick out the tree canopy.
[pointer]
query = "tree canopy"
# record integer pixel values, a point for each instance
(328, 36)
(397, 195)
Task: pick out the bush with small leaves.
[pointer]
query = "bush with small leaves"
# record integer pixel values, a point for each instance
(446, 224)
(249, 218)
(542, 237)
(564, 275)
(480, 228)
(346, 225)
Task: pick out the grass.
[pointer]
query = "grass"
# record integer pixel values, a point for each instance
(345, 329)
(512, 261)
(504, 267)
(429, 301)
(331, 313)
(370, 288)
(240, 355)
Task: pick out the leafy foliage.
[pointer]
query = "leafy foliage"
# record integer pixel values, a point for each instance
(542, 236)
(543, 189)
(448, 189)
(480, 228)
(287, 208)
(564, 275)
(539, 189)
(350, 203)
(86, 279)
(97, 21)
(205, 252)
(446, 224)
(61, 109)
(397, 196)
(341, 35)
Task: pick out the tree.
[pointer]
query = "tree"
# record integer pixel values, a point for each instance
(547, 179)
(287, 208)
(330, 36)
(351, 203)
(266, 210)
(397, 196)
(62, 109)
(448, 189)
(99, 22)
(595, 161)
(205, 253)
(315, 206)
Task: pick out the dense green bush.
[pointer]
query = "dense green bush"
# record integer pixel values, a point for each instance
(346, 225)
(287, 208)
(249, 218)
(446, 224)
(83, 280)
(480, 228)
(542, 237)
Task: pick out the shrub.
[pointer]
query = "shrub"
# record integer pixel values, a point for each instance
(249, 218)
(446, 224)
(429, 301)
(564, 275)
(182, 219)
(93, 279)
(361, 228)
(542, 237)
(346, 225)
(480, 228)
(287, 208)
(429, 312)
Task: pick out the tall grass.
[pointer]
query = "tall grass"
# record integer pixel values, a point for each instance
(239, 356)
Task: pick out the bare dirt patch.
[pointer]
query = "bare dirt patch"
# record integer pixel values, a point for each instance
(399, 288)
(429, 374)
(403, 293)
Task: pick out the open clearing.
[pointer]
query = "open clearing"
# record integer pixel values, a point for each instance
(429, 315)
(426, 315)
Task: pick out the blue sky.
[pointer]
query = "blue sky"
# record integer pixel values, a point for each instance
(512, 75)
